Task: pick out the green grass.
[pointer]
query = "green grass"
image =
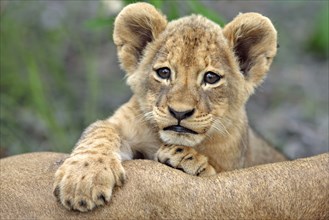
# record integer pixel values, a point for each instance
(319, 40)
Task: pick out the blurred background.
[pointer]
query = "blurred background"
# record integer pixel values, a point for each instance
(59, 71)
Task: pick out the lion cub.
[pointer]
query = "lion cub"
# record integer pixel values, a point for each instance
(190, 80)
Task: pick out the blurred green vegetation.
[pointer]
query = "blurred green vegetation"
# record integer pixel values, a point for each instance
(50, 82)
(319, 40)
(54, 82)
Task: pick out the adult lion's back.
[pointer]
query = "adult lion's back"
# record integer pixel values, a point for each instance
(298, 189)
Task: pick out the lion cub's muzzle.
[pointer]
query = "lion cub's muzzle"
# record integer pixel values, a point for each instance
(180, 116)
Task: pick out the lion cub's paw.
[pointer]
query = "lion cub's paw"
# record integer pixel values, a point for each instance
(86, 181)
(186, 159)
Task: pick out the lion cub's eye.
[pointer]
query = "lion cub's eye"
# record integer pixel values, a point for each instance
(211, 78)
(164, 73)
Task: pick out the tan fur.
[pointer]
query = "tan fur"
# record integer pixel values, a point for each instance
(287, 190)
(190, 47)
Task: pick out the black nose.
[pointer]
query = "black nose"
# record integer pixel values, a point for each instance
(181, 115)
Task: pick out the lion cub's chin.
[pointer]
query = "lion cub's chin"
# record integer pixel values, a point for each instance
(185, 139)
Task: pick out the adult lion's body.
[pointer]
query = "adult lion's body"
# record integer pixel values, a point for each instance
(190, 80)
(288, 190)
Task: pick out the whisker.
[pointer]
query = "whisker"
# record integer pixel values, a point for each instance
(209, 136)
(224, 128)
(220, 127)
(216, 128)
(143, 117)
(140, 117)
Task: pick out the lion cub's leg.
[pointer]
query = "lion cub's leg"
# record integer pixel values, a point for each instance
(186, 159)
(86, 179)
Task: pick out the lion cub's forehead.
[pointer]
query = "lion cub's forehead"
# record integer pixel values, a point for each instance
(194, 40)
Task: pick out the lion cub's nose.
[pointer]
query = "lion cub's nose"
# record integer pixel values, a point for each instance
(180, 115)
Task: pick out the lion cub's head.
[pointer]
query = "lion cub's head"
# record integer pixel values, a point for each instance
(191, 77)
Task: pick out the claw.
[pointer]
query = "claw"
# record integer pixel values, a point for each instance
(56, 192)
(167, 162)
(69, 204)
(83, 203)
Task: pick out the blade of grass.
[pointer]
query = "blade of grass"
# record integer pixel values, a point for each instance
(43, 106)
(91, 103)
(173, 12)
(99, 22)
(156, 3)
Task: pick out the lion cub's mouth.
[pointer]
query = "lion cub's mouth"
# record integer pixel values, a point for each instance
(179, 129)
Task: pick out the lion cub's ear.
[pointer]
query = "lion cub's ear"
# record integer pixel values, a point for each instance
(135, 26)
(253, 39)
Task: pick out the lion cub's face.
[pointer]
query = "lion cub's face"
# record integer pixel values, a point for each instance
(190, 81)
